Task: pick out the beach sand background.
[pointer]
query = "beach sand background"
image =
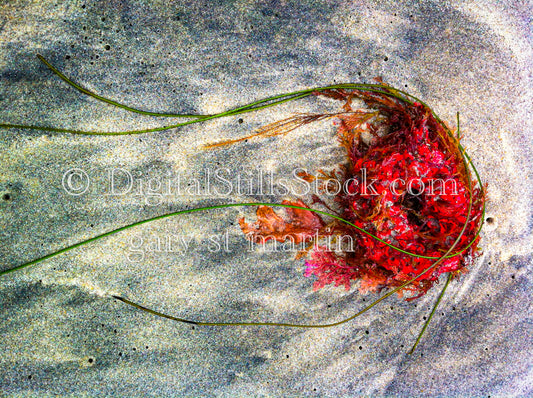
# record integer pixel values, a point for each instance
(61, 332)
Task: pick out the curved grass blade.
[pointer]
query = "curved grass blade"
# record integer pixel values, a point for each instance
(107, 100)
(187, 211)
(188, 321)
(261, 104)
(448, 279)
(276, 100)
(326, 325)
(249, 323)
(257, 105)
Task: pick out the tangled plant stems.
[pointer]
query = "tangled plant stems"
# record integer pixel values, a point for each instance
(408, 201)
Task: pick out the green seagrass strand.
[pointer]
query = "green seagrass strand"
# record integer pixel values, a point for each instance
(450, 275)
(428, 320)
(261, 105)
(107, 100)
(183, 320)
(187, 211)
(254, 106)
(240, 323)
(325, 325)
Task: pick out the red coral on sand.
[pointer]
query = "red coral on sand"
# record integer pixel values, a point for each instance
(406, 184)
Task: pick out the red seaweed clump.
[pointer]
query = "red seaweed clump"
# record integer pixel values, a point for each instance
(405, 182)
